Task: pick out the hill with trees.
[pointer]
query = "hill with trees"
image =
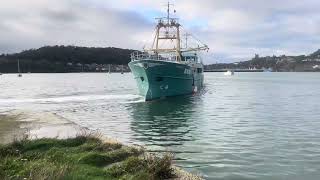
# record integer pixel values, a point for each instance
(64, 59)
(275, 63)
(60, 59)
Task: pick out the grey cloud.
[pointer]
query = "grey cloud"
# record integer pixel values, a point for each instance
(234, 29)
(70, 22)
(60, 15)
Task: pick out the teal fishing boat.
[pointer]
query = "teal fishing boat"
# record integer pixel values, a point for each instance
(172, 66)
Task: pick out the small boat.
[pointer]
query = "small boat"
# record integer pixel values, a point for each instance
(19, 74)
(316, 67)
(267, 69)
(229, 73)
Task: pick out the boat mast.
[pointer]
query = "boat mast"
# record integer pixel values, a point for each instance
(157, 39)
(178, 43)
(168, 23)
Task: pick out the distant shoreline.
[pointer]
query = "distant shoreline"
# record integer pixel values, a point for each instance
(258, 70)
(125, 72)
(65, 59)
(70, 73)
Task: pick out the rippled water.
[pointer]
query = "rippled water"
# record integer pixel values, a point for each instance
(249, 126)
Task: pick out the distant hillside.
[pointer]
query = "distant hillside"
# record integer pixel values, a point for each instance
(64, 59)
(275, 63)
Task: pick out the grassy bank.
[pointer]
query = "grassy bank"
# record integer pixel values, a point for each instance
(82, 157)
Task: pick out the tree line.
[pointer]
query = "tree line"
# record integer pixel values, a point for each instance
(63, 59)
(275, 63)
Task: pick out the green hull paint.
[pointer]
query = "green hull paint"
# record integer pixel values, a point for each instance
(158, 79)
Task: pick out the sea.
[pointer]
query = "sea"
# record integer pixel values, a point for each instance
(248, 126)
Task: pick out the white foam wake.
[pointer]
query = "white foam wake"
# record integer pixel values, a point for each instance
(128, 97)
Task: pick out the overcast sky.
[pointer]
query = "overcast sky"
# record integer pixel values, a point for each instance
(234, 29)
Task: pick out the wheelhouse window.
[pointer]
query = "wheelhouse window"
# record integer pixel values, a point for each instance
(190, 58)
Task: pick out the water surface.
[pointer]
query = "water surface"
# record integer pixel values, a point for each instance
(248, 126)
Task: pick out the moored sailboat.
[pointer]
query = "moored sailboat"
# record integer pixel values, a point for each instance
(229, 73)
(19, 74)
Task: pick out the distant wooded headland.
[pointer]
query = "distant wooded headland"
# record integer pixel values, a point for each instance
(302, 63)
(61, 59)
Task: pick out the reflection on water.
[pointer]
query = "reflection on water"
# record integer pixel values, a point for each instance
(164, 122)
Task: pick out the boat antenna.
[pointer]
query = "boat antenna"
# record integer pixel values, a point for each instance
(168, 12)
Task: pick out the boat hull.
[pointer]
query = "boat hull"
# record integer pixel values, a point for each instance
(159, 79)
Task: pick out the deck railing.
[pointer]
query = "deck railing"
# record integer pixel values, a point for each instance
(137, 55)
